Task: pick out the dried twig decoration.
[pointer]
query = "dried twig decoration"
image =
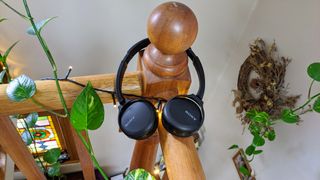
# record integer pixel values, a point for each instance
(261, 82)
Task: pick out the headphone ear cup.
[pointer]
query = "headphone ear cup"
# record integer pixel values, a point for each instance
(183, 116)
(138, 119)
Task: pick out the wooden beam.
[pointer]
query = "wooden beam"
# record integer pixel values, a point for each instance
(12, 144)
(181, 157)
(144, 154)
(47, 93)
(85, 159)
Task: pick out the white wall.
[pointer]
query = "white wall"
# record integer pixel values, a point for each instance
(93, 36)
(294, 155)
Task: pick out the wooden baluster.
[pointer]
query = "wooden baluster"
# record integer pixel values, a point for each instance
(172, 28)
(13, 145)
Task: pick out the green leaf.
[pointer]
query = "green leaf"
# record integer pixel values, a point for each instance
(316, 105)
(139, 174)
(3, 19)
(26, 137)
(6, 54)
(289, 116)
(235, 146)
(257, 152)
(254, 128)
(251, 113)
(250, 149)
(21, 88)
(244, 171)
(314, 71)
(256, 116)
(32, 119)
(54, 170)
(52, 155)
(258, 140)
(39, 26)
(2, 74)
(271, 135)
(87, 110)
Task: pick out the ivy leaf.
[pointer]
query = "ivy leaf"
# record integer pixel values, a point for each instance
(271, 135)
(235, 146)
(6, 54)
(3, 19)
(256, 116)
(250, 149)
(39, 26)
(257, 152)
(139, 174)
(254, 128)
(2, 74)
(26, 137)
(87, 110)
(32, 119)
(244, 171)
(54, 170)
(21, 88)
(52, 155)
(316, 105)
(258, 140)
(289, 116)
(251, 114)
(314, 71)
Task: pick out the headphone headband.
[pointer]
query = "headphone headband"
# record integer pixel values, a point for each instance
(141, 45)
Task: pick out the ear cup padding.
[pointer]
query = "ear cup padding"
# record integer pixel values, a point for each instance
(138, 119)
(182, 116)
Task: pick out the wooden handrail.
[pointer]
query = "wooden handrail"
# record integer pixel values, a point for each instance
(47, 93)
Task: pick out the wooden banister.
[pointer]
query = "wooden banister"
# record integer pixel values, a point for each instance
(47, 93)
(172, 28)
(13, 145)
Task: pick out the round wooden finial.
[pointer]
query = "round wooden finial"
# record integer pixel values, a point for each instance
(172, 27)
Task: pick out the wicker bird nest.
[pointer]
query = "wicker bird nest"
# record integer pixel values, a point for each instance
(261, 82)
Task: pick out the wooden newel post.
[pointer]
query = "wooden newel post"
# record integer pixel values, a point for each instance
(172, 28)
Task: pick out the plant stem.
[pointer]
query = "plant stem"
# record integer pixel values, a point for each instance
(49, 56)
(95, 162)
(307, 102)
(89, 142)
(310, 87)
(14, 10)
(5, 64)
(34, 143)
(49, 110)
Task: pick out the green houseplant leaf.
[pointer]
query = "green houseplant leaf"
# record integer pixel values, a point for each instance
(235, 146)
(316, 105)
(54, 170)
(87, 110)
(314, 71)
(256, 116)
(289, 116)
(52, 155)
(6, 54)
(258, 140)
(139, 174)
(257, 152)
(32, 119)
(21, 88)
(2, 74)
(39, 26)
(250, 149)
(26, 137)
(3, 19)
(271, 135)
(244, 171)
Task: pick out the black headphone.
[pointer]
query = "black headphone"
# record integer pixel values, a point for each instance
(182, 115)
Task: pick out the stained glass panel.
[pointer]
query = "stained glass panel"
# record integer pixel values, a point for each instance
(44, 134)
